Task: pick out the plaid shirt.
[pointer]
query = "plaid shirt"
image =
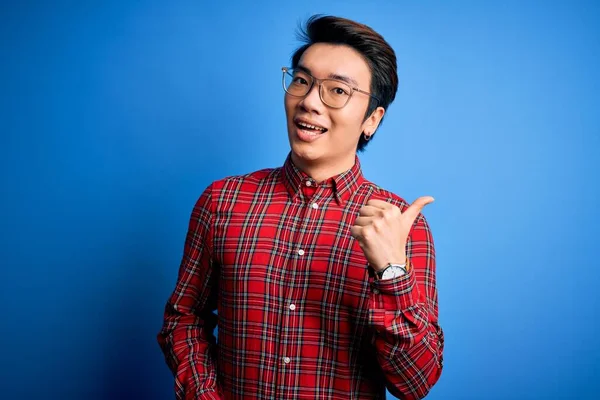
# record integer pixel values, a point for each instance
(300, 315)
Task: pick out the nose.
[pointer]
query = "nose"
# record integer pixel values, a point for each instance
(312, 101)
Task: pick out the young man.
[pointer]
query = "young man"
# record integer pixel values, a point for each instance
(324, 283)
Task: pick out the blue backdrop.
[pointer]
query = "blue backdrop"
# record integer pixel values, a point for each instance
(115, 116)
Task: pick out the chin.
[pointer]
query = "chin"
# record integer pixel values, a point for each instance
(306, 152)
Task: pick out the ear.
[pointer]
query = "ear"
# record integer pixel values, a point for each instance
(372, 122)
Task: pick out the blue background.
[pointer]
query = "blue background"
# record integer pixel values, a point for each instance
(116, 115)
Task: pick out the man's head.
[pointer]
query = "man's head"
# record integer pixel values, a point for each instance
(349, 52)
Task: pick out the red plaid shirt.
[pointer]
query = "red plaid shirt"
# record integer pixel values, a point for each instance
(300, 315)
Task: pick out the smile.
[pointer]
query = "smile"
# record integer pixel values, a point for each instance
(309, 127)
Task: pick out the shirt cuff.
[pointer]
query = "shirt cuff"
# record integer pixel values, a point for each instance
(207, 394)
(398, 293)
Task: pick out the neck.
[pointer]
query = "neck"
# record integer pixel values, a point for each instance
(322, 170)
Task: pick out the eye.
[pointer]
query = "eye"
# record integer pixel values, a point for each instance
(299, 80)
(340, 91)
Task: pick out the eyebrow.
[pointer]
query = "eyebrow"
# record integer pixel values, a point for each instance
(346, 79)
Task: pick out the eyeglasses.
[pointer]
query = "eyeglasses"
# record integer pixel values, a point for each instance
(334, 93)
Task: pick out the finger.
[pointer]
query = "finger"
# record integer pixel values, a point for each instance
(355, 231)
(363, 221)
(379, 204)
(415, 208)
(370, 211)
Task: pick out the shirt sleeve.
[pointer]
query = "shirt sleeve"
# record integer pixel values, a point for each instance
(186, 337)
(403, 313)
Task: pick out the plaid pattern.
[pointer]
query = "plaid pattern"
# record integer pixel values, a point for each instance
(300, 314)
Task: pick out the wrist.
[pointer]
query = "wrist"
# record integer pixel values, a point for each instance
(392, 270)
(381, 265)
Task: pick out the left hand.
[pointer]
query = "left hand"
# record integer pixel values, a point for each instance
(382, 230)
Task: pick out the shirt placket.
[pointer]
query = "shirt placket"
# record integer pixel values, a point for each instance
(292, 302)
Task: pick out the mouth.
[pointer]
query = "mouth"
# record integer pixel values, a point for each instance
(309, 127)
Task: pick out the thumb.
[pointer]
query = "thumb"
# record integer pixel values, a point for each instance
(415, 208)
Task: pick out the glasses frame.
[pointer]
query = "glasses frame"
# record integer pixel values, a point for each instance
(319, 82)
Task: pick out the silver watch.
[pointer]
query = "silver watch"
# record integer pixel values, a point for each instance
(392, 271)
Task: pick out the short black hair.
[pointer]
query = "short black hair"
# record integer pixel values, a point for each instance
(379, 55)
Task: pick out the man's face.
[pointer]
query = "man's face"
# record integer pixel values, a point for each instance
(337, 145)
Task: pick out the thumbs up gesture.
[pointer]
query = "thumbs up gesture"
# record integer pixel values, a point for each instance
(382, 230)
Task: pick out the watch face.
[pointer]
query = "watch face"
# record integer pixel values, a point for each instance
(392, 272)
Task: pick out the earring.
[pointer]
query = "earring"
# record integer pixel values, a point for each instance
(367, 137)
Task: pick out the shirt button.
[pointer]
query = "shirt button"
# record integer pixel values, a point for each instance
(315, 206)
(292, 307)
(376, 291)
(308, 183)
(286, 360)
(300, 252)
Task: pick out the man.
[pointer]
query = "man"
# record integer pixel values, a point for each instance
(324, 283)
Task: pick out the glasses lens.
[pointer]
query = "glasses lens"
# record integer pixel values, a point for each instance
(296, 82)
(335, 93)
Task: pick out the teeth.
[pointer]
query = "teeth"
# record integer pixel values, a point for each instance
(311, 126)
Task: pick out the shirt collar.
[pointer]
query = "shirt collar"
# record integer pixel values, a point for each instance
(343, 185)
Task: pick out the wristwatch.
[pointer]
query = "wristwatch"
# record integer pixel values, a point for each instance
(391, 271)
